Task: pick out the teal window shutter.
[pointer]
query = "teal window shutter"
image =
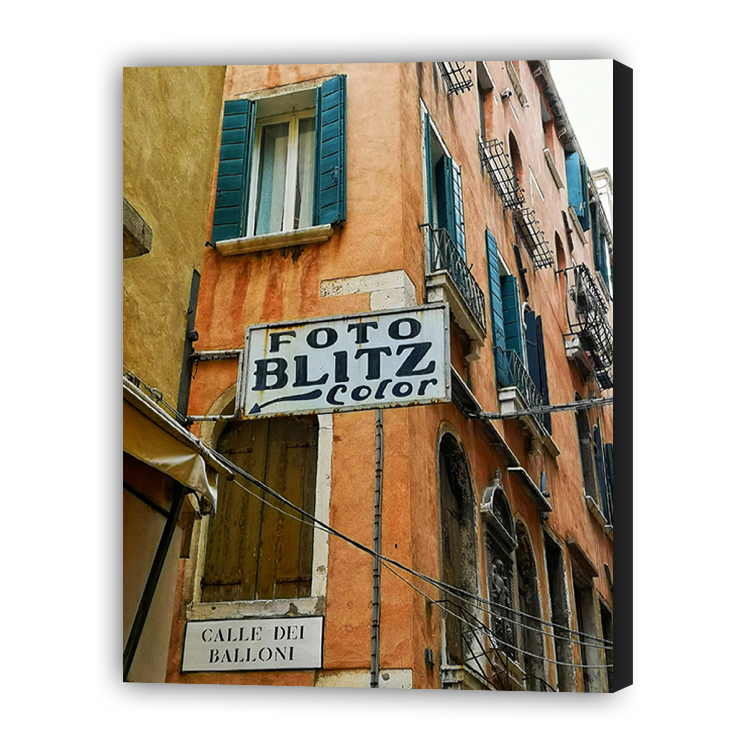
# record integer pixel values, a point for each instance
(428, 166)
(450, 204)
(496, 311)
(512, 315)
(458, 210)
(233, 181)
(600, 471)
(444, 196)
(577, 178)
(330, 163)
(610, 471)
(532, 351)
(573, 176)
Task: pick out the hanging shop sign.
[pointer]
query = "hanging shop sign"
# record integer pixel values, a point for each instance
(375, 360)
(257, 644)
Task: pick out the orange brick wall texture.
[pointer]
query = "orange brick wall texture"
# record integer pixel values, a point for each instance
(385, 206)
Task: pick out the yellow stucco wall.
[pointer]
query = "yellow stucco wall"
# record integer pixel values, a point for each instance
(171, 123)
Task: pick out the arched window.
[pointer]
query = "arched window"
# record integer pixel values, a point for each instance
(500, 543)
(529, 639)
(515, 157)
(253, 550)
(459, 553)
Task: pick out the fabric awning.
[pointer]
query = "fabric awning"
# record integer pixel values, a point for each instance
(152, 436)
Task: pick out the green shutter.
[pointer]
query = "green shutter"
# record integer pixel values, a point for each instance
(428, 168)
(450, 204)
(330, 162)
(233, 181)
(547, 418)
(577, 178)
(532, 351)
(444, 196)
(458, 211)
(512, 315)
(610, 471)
(600, 471)
(496, 311)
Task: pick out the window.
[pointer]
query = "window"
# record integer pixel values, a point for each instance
(577, 177)
(601, 245)
(445, 203)
(505, 314)
(282, 180)
(500, 542)
(585, 604)
(603, 461)
(536, 359)
(448, 276)
(530, 639)
(282, 164)
(459, 553)
(560, 611)
(586, 452)
(609, 466)
(254, 551)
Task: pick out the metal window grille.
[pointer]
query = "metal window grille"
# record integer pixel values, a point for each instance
(444, 256)
(500, 169)
(587, 317)
(533, 237)
(456, 76)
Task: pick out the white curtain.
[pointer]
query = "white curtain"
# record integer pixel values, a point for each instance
(303, 205)
(271, 178)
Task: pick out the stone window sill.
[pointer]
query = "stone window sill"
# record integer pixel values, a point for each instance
(312, 605)
(308, 236)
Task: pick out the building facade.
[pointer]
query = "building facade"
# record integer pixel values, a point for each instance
(347, 195)
(171, 121)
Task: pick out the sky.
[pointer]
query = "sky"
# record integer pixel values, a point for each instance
(586, 90)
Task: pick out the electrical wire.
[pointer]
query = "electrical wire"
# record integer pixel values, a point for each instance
(580, 637)
(481, 627)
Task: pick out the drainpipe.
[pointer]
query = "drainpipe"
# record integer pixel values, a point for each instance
(375, 653)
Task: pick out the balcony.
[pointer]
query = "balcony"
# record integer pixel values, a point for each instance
(522, 395)
(449, 279)
(591, 340)
(498, 166)
(456, 76)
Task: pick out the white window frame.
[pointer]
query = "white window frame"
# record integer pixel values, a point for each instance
(290, 182)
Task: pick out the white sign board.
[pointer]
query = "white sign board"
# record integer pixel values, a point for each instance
(368, 361)
(245, 645)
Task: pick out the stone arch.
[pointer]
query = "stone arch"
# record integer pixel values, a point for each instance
(529, 603)
(458, 543)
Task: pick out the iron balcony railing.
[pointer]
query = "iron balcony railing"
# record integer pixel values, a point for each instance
(587, 317)
(520, 378)
(500, 169)
(456, 75)
(444, 256)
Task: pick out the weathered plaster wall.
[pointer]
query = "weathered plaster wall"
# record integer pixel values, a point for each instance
(171, 125)
(385, 205)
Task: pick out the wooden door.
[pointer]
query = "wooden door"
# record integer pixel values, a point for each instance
(256, 549)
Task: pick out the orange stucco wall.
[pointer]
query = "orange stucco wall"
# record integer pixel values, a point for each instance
(385, 206)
